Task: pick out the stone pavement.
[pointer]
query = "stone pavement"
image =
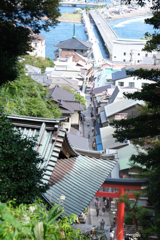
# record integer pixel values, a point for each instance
(92, 219)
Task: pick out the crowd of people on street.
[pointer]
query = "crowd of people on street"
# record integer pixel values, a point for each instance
(105, 208)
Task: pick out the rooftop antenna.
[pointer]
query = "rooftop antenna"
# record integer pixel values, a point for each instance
(74, 31)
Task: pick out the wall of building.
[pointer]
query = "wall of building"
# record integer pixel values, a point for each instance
(75, 118)
(130, 81)
(38, 48)
(67, 125)
(67, 54)
(129, 50)
(132, 112)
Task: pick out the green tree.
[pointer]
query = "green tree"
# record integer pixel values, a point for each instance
(20, 178)
(38, 62)
(27, 97)
(140, 214)
(15, 39)
(87, 8)
(147, 124)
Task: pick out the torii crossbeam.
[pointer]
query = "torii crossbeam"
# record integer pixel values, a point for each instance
(122, 184)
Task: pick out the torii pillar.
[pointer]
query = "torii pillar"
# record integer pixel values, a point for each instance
(122, 187)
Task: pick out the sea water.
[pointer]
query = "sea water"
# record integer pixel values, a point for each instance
(133, 28)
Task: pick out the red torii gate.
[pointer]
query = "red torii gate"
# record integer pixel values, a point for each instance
(122, 184)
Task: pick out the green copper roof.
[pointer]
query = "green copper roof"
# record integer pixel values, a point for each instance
(74, 31)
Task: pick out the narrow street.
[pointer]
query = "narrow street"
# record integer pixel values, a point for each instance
(92, 219)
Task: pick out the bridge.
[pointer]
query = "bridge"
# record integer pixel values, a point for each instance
(81, 3)
(91, 38)
(106, 32)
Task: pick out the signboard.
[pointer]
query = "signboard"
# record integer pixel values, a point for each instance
(121, 116)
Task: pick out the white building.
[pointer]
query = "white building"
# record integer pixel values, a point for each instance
(38, 44)
(130, 51)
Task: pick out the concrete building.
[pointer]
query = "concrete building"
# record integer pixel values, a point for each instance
(71, 46)
(130, 51)
(38, 44)
(121, 79)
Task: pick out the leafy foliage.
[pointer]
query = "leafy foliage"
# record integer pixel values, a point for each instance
(15, 39)
(38, 62)
(35, 222)
(146, 126)
(20, 177)
(27, 97)
(141, 215)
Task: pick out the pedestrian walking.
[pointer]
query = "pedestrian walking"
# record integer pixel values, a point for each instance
(102, 223)
(94, 145)
(105, 204)
(90, 104)
(88, 123)
(111, 233)
(103, 210)
(97, 210)
(89, 135)
(91, 114)
(114, 221)
(92, 129)
(84, 118)
(98, 203)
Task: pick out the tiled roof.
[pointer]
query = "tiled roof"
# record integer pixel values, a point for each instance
(61, 94)
(76, 105)
(76, 177)
(108, 141)
(120, 106)
(74, 43)
(102, 89)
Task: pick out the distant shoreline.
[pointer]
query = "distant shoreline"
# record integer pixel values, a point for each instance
(128, 15)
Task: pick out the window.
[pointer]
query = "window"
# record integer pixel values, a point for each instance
(35, 44)
(124, 53)
(146, 55)
(138, 54)
(144, 84)
(124, 60)
(121, 84)
(74, 56)
(138, 61)
(131, 84)
(81, 51)
(75, 50)
(67, 56)
(114, 56)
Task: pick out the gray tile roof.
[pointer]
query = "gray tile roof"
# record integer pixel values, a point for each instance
(78, 141)
(61, 94)
(76, 105)
(65, 106)
(102, 89)
(74, 43)
(114, 95)
(41, 78)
